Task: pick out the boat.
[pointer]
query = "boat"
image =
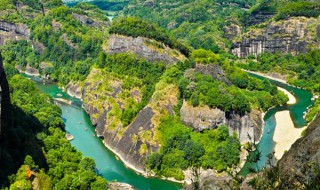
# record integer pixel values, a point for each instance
(268, 131)
(86, 129)
(69, 137)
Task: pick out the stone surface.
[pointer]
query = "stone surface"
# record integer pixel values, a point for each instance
(74, 89)
(214, 70)
(85, 20)
(294, 36)
(202, 118)
(301, 163)
(11, 31)
(141, 47)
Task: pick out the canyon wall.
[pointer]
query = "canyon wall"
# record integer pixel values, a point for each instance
(295, 35)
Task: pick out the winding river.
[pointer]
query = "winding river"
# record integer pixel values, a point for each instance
(266, 144)
(79, 125)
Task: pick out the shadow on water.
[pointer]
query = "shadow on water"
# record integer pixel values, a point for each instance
(79, 125)
(297, 111)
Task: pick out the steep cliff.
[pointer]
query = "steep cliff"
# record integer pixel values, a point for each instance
(294, 35)
(202, 118)
(300, 165)
(11, 31)
(149, 49)
(138, 139)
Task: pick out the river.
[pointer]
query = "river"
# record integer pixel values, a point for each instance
(266, 144)
(78, 124)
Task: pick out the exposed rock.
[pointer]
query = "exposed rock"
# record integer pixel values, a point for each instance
(232, 31)
(32, 71)
(143, 47)
(294, 36)
(119, 186)
(74, 89)
(300, 165)
(85, 20)
(134, 142)
(202, 118)
(258, 16)
(214, 71)
(11, 31)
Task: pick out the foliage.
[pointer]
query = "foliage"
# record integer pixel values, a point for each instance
(199, 23)
(182, 148)
(204, 56)
(39, 120)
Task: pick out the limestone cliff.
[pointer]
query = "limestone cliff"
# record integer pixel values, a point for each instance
(202, 118)
(149, 49)
(11, 31)
(294, 36)
(104, 100)
(300, 165)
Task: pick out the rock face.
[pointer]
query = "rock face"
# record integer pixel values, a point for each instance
(202, 118)
(10, 31)
(300, 165)
(294, 36)
(85, 20)
(74, 89)
(232, 31)
(143, 47)
(103, 100)
(214, 70)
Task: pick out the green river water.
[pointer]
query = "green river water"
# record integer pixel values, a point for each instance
(266, 144)
(112, 169)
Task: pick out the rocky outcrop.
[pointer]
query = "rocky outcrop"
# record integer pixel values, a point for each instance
(146, 48)
(87, 21)
(232, 31)
(294, 36)
(11, 31)
(214, 70)
(103, 99)
(300, 165)
(202, 118)
(74, 89)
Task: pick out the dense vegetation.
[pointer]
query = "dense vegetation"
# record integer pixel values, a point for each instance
(198, 23)
(133, 73)
(182, 149)
(302, 70)
(39, 135)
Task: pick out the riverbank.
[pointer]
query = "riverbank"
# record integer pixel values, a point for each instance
(268, 76)
(139, 171)
(285, 133)
(292, 99)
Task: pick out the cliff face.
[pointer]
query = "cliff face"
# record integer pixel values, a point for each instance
(146, 48)
(202, 118)
(11, 31)
(300, 165)
(294, 36)
(103, 100)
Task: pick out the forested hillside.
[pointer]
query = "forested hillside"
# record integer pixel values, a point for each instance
(159, 82)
